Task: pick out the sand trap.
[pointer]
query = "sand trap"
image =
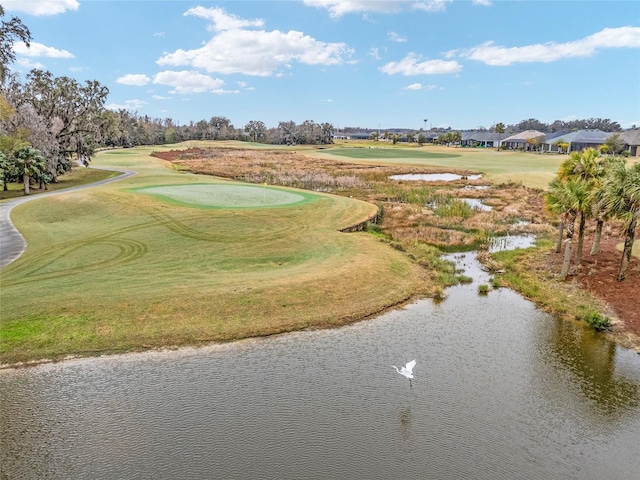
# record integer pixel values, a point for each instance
(232, 196)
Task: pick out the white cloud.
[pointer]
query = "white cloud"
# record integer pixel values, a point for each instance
(484, 3)
(245, 86)
(411, 65)
(338, 8)
(432, 5)
(29, 65)
(491, 54)
(186, 82)
(374, 53)
(136, 79)
(159, 97)
(396, 37)
(254, 52)
(221, 20)
(133, 104)
(419, 86)
(159, 34)
(39, 50)
(40, 7)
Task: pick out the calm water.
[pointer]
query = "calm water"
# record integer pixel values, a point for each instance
(433, 177)
(502, 391)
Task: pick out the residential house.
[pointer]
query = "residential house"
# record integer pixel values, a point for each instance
(631, 139)
(480, 139)
(577, 141)
(519, 140)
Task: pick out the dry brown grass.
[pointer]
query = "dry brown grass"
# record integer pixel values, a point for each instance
(407, 214)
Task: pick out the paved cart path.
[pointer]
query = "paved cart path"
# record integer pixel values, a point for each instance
(12, 243)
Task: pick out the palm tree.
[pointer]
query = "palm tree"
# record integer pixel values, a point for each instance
(499, 128)
(597, 199)
(29, 163)
(621, 199)
(587, 167)
(566, 196)
(554, 204)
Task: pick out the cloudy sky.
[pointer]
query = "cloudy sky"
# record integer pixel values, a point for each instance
(358, 63)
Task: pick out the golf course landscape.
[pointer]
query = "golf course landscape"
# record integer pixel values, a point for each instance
(168, 257)
(164, 258)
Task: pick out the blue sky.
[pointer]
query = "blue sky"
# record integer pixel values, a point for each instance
(358, 63)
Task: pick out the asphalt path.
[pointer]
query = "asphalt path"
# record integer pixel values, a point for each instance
(12, 243)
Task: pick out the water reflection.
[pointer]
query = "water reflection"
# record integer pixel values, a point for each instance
(594, 369)
(434, 177)
(477, 204)
(405, 421)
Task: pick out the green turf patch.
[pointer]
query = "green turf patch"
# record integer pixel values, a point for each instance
(225, 196)
(388, 153)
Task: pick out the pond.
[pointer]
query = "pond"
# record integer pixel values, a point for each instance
(477, 204)
(434, 177)
(501, 391)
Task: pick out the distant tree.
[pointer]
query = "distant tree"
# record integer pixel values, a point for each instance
(614, 144)
(256, 129)
(287, 131)
(499, 128)
(422, 139)
(327, 133)
(10, 32)
(562, 145)
(221, 127)
(531, 124)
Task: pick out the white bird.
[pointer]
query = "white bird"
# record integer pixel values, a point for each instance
(407, 371)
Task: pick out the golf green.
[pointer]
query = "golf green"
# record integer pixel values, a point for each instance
(224, 196)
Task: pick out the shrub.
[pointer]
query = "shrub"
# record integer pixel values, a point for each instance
(598, 321)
